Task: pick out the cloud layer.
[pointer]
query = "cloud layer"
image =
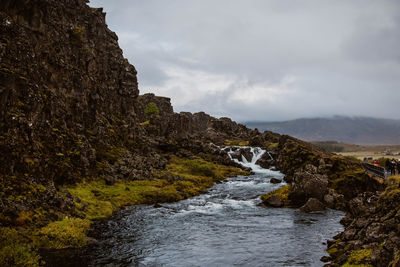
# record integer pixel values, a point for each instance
(264, 59)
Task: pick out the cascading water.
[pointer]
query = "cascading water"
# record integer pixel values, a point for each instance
(257, 153)
(224, 227)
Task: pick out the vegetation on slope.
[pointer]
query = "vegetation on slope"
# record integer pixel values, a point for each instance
(95, 199)
(236, 142)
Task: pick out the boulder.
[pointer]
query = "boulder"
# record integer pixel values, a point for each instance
(90, 241)
(266, 161)
(275, 181)
(312, 205)
(274, 201)
(246, 153)
(326, 259)
(307, 183)
(241, 153)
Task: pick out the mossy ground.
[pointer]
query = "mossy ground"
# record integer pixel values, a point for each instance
(70, 232)
(99, 200)
(15, 249)
(358, 258)
(94, 199)
(349, 176)
(392, 191)
(236, 143)
(269, 145)
(283, 192)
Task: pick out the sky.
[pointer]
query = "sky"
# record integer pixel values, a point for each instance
(264, 60)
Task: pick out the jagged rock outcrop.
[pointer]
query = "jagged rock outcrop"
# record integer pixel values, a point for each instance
(170, 127)
(371, 229)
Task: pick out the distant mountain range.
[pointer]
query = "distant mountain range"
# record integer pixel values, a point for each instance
(353, 130)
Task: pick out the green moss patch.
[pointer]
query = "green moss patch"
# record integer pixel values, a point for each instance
(358, 258)
(94, 199)
(236, 143)
(273, 146)
(353, 181)
(392, 190)
(283, 192)
(15, 249)
(99, 200)
(70, 232)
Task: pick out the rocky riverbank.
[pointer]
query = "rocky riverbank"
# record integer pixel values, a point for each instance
(318, 179)
(372, 232)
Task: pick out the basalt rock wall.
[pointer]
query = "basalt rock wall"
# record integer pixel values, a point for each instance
(70, 109)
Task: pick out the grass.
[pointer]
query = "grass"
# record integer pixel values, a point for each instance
(101, 200)
(15, 249)
(343, 178)
(97, 200)
(283, 192)
(94, 199)
(236, 143)
(70, 232)
(392, 190)
(273, 146)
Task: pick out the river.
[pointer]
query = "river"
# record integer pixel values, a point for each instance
(224, 227)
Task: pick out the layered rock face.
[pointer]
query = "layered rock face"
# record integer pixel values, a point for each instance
(70, 109)
(67, 95)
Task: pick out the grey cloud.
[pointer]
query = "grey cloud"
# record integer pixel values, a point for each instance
(343, 55)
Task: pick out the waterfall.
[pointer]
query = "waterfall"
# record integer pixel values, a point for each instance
(257, 153)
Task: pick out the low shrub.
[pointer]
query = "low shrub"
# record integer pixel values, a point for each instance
(151, 109)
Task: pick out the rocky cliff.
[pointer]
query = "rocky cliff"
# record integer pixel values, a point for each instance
(70, 103)
(67, 95)
(72, 121)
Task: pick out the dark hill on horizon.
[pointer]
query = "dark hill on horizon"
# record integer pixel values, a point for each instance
(353, 130)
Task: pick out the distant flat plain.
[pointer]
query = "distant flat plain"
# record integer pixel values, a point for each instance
(368, 154)
(363, 151)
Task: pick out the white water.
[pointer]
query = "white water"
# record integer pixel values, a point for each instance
(257, 154)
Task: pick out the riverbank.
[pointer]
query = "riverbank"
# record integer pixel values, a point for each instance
(224, 226)
(372, 234)
(95, 199)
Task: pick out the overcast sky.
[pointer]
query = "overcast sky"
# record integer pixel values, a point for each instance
(264, 59)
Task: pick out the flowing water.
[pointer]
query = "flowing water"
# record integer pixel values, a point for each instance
(224, 227)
